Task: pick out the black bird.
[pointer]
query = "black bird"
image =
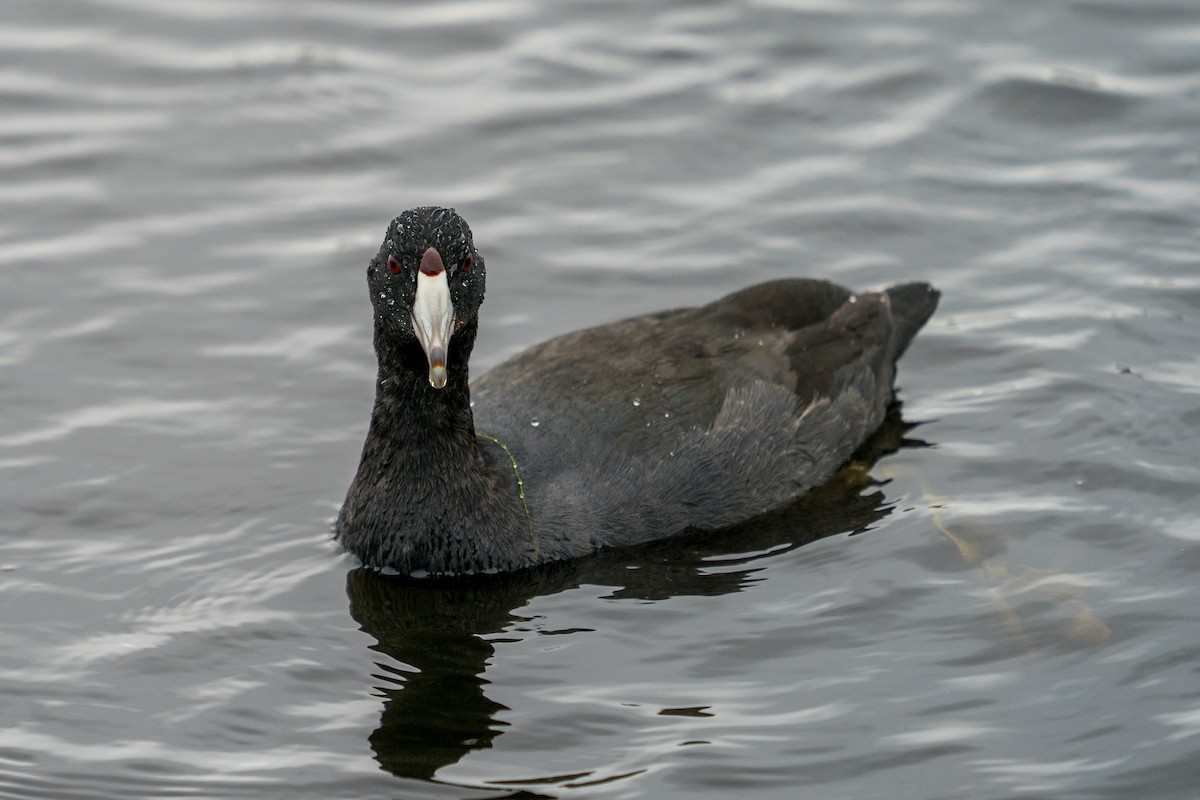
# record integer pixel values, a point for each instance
(685, 420)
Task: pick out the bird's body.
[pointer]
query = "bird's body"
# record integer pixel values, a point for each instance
(691, 419)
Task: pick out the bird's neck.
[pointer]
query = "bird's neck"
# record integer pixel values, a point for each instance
(409, 411)
(426, 492)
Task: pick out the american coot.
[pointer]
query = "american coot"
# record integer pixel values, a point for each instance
(684, 420)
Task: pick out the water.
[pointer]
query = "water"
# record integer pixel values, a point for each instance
(189, 193)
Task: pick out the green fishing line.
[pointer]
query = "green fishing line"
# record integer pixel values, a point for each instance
(520, 485)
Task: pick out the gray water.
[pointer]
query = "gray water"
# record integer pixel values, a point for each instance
(189, 194)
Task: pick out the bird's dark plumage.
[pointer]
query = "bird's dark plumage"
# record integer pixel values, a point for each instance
(690, 419)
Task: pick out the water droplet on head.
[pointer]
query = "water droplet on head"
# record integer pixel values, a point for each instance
(535, 422)
(667, 414)
(637, 402)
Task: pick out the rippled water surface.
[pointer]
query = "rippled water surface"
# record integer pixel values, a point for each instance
(190, 191)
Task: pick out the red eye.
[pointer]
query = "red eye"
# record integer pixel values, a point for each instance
(467, 263)
(394, 265)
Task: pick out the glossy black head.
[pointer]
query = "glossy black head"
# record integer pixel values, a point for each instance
(392, 274)
(427, 282)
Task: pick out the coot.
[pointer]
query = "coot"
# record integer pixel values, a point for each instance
(684, 420)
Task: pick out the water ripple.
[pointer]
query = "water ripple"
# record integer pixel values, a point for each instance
(191, 192)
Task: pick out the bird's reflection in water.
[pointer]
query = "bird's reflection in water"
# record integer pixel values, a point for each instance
(436, 709)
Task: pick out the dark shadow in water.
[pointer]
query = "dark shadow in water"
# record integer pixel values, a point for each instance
(436, 710)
